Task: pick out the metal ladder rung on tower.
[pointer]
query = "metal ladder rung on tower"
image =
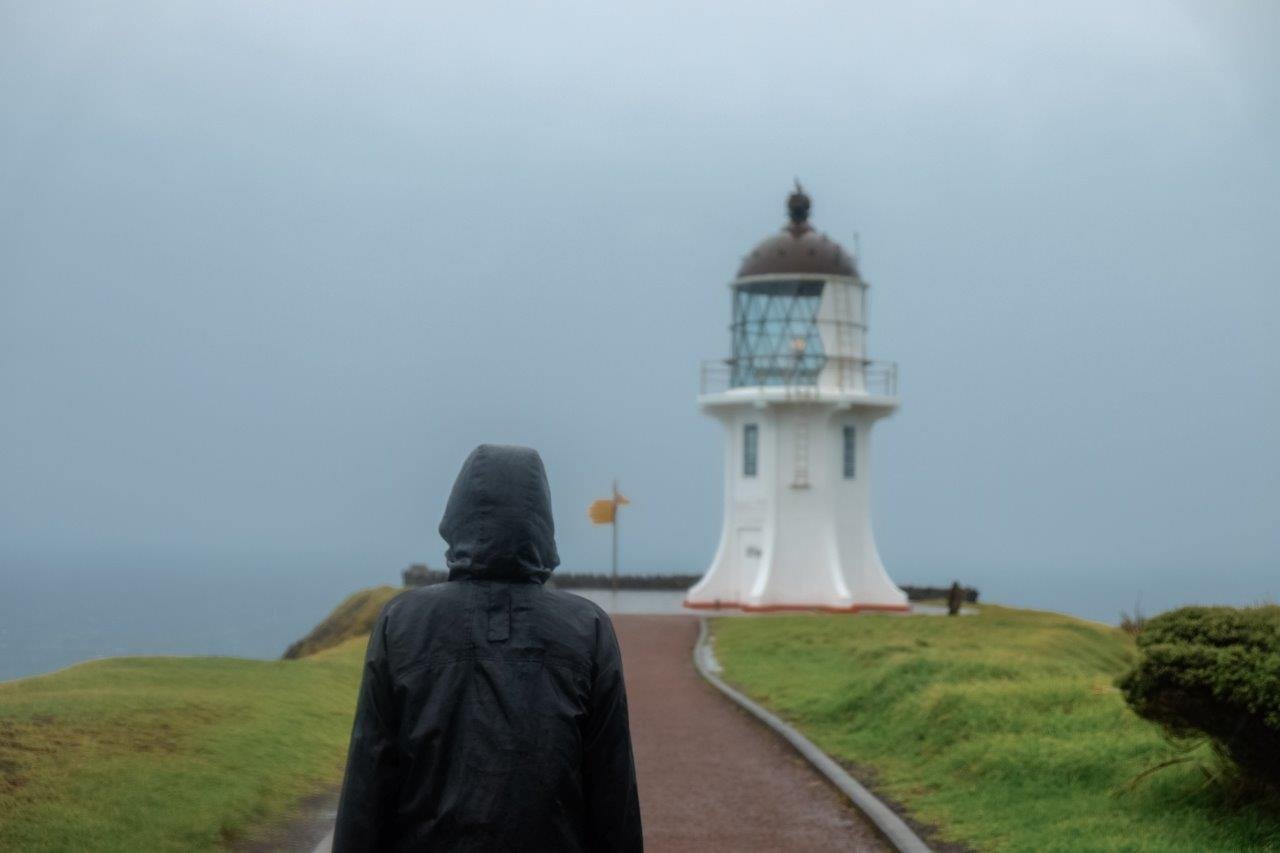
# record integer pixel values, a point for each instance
(800, 477)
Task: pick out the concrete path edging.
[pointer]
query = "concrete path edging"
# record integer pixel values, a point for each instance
(886, 820)
(325, 845)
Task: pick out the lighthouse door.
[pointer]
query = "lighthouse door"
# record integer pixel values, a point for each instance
(750, 552)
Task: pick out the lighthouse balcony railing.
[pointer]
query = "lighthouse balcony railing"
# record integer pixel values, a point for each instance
(858, 375)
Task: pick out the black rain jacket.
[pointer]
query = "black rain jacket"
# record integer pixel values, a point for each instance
(492, 714)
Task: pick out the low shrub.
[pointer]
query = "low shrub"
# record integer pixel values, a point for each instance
(1214, 672)
(1133, 625)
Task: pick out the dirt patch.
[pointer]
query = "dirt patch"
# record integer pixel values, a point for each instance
(927, 832)
(299, 833)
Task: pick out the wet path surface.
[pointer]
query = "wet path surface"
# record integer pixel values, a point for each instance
(711, 777)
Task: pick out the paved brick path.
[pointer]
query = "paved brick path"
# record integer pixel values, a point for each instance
(711, 777)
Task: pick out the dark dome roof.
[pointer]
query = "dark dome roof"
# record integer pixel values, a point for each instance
(798, 248)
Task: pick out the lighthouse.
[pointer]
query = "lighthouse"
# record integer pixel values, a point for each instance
(798, 398)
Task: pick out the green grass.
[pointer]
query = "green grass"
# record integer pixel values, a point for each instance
(160, 754)
(1004, 729)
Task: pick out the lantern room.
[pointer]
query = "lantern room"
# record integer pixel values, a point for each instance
(799, 311)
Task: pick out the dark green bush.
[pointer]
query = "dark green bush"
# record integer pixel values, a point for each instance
(1215, 672)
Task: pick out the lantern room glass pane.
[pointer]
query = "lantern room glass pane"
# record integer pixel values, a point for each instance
(776, 340)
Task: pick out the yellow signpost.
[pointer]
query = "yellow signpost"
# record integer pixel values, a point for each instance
(605, 511)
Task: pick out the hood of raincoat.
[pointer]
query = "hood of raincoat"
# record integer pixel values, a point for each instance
(498, 522)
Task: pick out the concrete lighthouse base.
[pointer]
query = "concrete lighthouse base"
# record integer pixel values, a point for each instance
(797, 529)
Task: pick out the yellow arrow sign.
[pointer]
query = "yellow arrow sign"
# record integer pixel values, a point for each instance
(602, 511)
(605, 510)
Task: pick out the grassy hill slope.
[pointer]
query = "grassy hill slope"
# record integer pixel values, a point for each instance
(170, 753)
(354, 617)
(1003, 728)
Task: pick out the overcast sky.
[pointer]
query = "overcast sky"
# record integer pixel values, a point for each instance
(269, 271)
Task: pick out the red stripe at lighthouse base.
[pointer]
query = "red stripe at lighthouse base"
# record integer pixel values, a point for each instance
(773, 608)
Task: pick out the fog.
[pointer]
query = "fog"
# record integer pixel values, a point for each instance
(268, 272)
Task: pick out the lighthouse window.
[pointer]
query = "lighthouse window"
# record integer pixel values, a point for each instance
(850, 452)
(776, 338)
(750, 449)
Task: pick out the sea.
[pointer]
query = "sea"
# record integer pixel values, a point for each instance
(60, 609)
(55, 612)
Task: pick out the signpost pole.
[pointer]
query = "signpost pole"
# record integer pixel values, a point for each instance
(615, 539)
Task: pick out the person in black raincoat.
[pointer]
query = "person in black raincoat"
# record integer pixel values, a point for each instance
(492, 713)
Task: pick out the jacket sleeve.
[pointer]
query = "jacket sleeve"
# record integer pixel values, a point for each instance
(609, 772)
(370, 787)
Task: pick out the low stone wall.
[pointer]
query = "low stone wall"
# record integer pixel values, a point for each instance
(419, 574)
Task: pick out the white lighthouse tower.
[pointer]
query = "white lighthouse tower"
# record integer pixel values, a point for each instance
(798, 399)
